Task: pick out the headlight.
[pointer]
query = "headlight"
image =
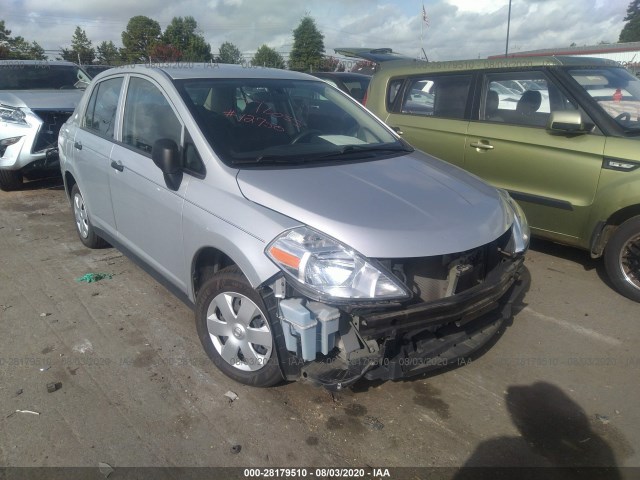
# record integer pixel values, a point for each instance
(326, 269)
(521, 231)
(12, 115)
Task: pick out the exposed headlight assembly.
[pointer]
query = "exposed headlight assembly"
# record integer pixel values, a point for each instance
(325, 269)
(520, 228)
(12, 115)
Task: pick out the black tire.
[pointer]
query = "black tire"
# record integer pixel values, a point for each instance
(10, 180)
(82, 221)
(622, 258)
(254, 364)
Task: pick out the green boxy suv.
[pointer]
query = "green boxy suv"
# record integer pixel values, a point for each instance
(561, 134)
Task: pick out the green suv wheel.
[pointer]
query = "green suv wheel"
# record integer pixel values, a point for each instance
(622, 258)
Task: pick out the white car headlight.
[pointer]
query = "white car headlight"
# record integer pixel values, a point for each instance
(12, 115)
(326, 269)
(521, 231)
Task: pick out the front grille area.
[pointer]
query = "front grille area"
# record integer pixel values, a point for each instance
(433, 278)
(52, 121)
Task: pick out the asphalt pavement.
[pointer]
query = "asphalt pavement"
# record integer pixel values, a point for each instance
(131, 385)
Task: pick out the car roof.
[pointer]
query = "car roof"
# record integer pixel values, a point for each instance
(182, 71)
(418, 66)
(341, 75)
(37, 62)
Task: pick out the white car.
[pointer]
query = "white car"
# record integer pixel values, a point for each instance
(36, 98)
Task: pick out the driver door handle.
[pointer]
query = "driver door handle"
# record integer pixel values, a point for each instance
(117, 165)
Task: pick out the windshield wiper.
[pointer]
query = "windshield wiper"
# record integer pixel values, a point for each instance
(311, 157)
(272, 158)
(359, 149)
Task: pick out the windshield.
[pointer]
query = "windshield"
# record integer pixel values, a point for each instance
(260, 121)
(617, 92)
(43, 77)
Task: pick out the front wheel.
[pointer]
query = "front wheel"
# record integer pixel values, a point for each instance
(622, 258)
(10, 180)
(235, 329)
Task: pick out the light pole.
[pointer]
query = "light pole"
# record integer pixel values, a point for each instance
(506, 50)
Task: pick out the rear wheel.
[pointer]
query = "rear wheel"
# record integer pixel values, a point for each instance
(235, 330)
(84, 228)
(10, 180)
(622, 258)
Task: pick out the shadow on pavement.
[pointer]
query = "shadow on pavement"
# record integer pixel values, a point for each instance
(556, 441)
(51, 183)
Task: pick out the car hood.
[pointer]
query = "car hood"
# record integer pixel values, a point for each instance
(42, 99)
(409, 206)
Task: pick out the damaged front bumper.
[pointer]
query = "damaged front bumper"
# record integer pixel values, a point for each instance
(336, 347)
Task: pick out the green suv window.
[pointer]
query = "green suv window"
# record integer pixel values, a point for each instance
(439, 96)
(521, 98)
(616, 91)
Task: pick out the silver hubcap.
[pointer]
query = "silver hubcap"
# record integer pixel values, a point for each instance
(82, 219)
(239, 331)
(630, 261)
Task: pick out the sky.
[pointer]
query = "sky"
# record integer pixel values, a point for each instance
(457, 29)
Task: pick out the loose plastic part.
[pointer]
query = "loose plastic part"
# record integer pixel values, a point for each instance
(94, 277)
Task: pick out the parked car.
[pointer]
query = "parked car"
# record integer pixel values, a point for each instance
(310, 239)
(94, 70)
(354, 84)
(36, 98)
(568, 151)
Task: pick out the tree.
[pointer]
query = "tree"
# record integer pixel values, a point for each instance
(183, 34)
(141, 34)
(161, 52)
(365, 67)
(4, 41)
(17, 48)
(330, 64)
(267, 57)
(81, 50)
(108, 54)
(308, 46)
(23, 50)
(229, 53)
(631, 30)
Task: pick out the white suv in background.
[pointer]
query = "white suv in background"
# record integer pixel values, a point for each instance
(36, 98)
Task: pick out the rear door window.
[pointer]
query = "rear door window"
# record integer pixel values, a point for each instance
(100, 116)
(443, 96)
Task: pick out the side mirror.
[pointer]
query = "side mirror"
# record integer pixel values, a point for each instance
(166, 156)
(568, 122)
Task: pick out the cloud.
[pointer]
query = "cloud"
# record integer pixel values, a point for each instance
(457, 28)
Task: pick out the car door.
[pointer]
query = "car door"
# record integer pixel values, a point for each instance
(432, 113)
(148, 214)
(92, 148)
(553, 176)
